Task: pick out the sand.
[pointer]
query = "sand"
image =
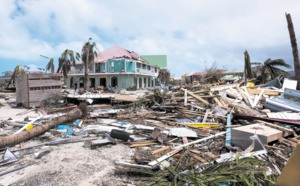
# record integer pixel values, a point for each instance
(70, 164)
(67, 164)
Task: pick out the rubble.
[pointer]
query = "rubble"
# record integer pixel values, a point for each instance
(200, 134)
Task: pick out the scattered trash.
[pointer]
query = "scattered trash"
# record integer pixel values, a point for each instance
(190, 135)
(41, 154)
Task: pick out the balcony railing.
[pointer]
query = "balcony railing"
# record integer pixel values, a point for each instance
(145, 71)
(77, 71)
(139, 70)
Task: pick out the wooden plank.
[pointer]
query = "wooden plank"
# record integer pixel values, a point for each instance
(143, 144)
(217, 100)
(157, 151)
(211, 155)
(245, 98)
(256, 100)
(242, 107)
(154, 162)
(185, 140)
(200, 159)
(200, 140)
(197, 97)
(248, 96)
(205, 116)
(196, 151)
(267, 92)
(293, 144)
(222, 87)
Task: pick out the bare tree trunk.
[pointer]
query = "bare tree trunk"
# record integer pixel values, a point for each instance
(86, 70)
(294, 48)
(37, 130)
(247, 69)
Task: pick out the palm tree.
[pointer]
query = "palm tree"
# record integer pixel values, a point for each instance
(269, 69)
(66, 60)
(88, 54)
(294, 48)
(18, 71)
(164, 76)
(50, 65)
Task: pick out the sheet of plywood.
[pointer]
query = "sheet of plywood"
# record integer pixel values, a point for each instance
(284, 115)
(266, 92)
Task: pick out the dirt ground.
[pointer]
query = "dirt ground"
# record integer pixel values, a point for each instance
(70, 164)
(66, 164)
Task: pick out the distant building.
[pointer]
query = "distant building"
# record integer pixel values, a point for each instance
(6, 76)
(115, 67)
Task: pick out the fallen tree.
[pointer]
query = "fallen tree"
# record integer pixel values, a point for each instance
(38, 130)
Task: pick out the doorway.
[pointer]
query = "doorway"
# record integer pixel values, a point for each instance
(114, 82)
(92, 82)
(103, 82)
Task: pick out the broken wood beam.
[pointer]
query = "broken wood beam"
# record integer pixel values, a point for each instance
(266, 92)
(293, 144)
(199, 159)
(154, 162)
(133, 165)
(200, 140)
(222, 87)
(185, 140)
(197, 97)
(217, 100)
(243, 94)
(160, 150)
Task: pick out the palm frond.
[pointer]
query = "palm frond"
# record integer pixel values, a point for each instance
(279, 62)
(17, 71)
(66, 60)
(50, 65)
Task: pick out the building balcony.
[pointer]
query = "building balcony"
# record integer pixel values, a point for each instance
(145, 71)
(81, 71)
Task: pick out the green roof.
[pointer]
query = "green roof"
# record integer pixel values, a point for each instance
(158, 60)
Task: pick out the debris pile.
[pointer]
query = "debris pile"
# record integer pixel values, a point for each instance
(199, 134)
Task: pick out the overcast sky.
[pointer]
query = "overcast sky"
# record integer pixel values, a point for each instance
(194, 34)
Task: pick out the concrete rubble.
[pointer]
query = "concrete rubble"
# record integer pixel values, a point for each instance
(200, 134)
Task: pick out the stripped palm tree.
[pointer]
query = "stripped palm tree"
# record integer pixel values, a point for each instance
(18, 71)
(66, 61)
(294, 47)
(50, 64)
(88, 54)
(247, 68)
(270, 70)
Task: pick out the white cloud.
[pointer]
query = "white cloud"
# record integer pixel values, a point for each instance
(194, 34)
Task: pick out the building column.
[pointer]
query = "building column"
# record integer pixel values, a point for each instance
(146, 82)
